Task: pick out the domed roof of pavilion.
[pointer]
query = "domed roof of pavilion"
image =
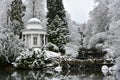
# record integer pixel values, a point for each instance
(34, 23)
(34, 20)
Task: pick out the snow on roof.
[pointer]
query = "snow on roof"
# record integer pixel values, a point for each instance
(34, 20)
(34, 23)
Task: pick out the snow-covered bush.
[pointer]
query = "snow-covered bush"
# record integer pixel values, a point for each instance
(97, 39)
(72, 49)
(113, 42)
(52, 47)
(10, 46)
(29, 59)
(36, 59)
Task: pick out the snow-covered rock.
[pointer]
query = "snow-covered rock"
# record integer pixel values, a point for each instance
(104, 69)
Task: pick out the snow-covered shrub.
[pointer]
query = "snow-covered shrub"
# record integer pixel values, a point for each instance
(72, 49)
(92, 53)
(36, 59)
(10, 46)
(29, 59)
(52, 47)
(112, 44)
(97, 39)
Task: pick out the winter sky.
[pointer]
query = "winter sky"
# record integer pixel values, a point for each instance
(78, 9)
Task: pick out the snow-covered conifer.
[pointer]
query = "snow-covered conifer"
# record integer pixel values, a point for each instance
(57, 24)
(16, 14)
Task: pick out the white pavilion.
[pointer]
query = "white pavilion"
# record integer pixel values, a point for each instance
(35, 34)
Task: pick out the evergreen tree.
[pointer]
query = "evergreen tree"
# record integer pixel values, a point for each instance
(16, 15)
(57, 24)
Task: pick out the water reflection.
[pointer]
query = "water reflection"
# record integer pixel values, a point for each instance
(51, 75)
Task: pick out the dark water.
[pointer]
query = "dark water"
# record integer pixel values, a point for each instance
(51, 75)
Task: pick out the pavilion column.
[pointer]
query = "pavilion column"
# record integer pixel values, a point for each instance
(31, 40)
(39, 41)
(44, 40)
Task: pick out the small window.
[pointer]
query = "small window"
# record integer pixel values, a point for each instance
(34, 40)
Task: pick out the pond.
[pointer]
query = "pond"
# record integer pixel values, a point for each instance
(52, 75)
